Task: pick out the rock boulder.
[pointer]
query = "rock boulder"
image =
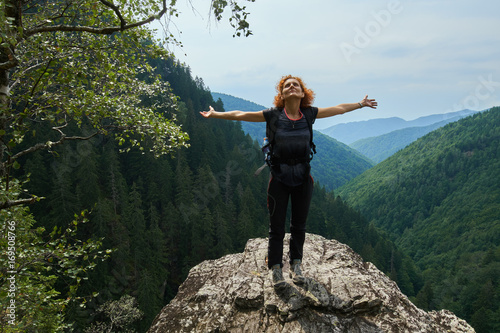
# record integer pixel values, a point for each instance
(342, 293)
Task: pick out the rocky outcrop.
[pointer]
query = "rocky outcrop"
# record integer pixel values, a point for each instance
(342, 294)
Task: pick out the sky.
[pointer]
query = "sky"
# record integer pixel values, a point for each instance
(415, 58)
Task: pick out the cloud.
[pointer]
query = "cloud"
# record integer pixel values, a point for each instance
(415, 57)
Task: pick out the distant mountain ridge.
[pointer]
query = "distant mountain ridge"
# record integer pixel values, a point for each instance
(379, 148)
(349, 133)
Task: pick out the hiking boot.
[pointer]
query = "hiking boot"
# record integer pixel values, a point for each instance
(296, 272)
(277, 276)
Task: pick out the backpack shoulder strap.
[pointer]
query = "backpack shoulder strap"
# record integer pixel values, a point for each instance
(271, 115)
(310, 114)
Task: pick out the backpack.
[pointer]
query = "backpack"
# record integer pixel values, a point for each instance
(267, 148)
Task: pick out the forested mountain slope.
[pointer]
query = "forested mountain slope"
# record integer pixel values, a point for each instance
(236, 103)
(378, 148)
(161, 216)
(334, 164)
(439, 199)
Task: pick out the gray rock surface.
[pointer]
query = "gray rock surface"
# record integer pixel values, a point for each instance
(342, 294)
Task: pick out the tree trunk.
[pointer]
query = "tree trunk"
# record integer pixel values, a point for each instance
(7, 61)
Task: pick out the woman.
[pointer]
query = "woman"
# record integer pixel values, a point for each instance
(290, 177)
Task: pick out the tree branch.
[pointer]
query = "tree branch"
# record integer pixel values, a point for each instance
(49, 144)
(117, 12)
(100, 31)
(40, 77)
(12, 203)
(39, 146)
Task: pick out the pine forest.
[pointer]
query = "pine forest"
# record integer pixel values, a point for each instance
(158, 217)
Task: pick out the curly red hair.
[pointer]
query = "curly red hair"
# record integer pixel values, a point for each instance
(306, 101)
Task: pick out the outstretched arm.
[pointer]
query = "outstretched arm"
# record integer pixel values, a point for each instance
(346, 107)
(234, 115)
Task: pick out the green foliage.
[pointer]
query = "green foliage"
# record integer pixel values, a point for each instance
(238, 19)
(161, 215)
(66, 76)
(438, 199)
(40, 274)
(72, 72)
(63, 62)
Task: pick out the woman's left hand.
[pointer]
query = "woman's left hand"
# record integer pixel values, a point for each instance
(369, 102)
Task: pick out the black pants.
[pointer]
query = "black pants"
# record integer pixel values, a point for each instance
(278, 195)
